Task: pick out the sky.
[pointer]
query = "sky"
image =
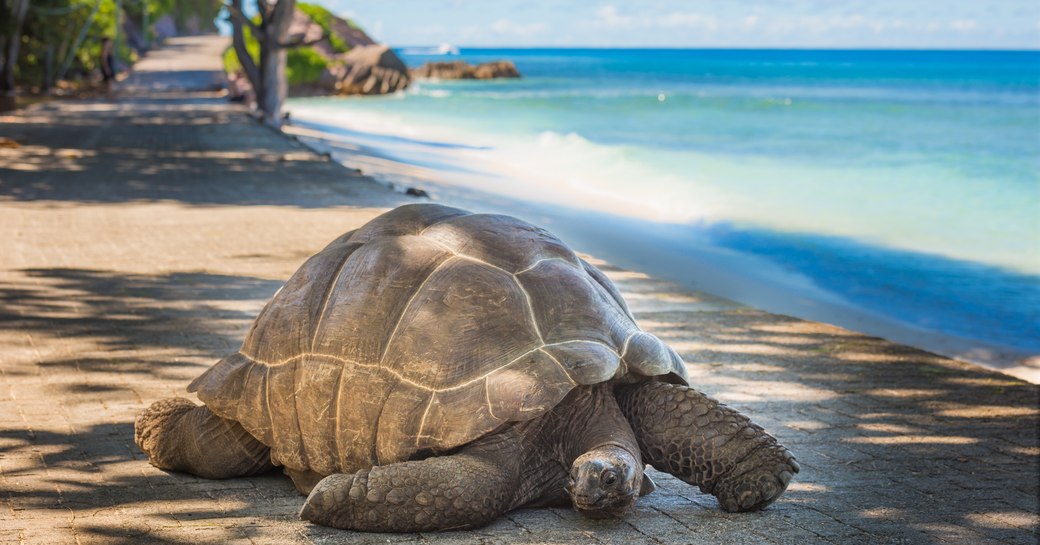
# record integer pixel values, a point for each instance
(947, 24)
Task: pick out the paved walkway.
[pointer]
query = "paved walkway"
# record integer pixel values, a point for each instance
(139, 237)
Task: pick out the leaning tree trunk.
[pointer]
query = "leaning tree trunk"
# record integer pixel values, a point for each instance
(238, 41)
(269, 78)
(13, 40)
(273, 56)
(274, 86)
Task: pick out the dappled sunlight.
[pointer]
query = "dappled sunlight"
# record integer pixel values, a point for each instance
(913, 440)
(807, 425)
(886, 427)
(741, 348)
(865, 357)
(1004, 519)
(799, 486)
(32, 158)
(993, 380)
(773, 390)
(105, 320)
(244, 155)
(904, 392)
(987, 411)
(882, 513)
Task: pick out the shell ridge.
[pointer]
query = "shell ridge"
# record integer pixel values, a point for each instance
(461, 255)
(408, 305)
(374, 452)
(335, 419)
(267, 403)
(296, 413)
(600, 279)
(238, 402)
(530, 309)
(557, 362)
(443, 220)
(624, 350)
(422, 423)
(328, 295)
(539, 262)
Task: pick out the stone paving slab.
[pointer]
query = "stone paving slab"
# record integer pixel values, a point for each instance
(140, 236)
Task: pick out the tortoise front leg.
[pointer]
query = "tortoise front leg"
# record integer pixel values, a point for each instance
(690, 435)
(465, 490)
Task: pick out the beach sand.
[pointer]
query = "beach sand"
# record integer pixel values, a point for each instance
(139, 239)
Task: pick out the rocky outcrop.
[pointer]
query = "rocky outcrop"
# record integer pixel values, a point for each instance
(366, 70)
(305, 30)
(464, 70)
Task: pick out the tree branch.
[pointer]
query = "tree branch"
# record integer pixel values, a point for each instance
(238, 41)
(301, 43)
(238, 19)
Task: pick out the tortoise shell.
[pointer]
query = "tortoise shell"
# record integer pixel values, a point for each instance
(423, 330)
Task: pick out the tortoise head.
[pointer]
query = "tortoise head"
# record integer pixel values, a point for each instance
(605, 481)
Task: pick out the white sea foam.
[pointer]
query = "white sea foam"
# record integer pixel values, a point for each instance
(681, 187)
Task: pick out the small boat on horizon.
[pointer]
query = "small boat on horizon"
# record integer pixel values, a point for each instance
(447, 49)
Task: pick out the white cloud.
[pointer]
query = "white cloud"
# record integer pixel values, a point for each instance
(963, 25)
(688, 20)
(506, 26)
(608, 17)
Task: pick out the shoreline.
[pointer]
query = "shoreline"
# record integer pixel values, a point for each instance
(661, 251)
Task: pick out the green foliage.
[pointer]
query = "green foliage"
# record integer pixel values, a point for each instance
(323, 18)
(304, 65)
(55, 25)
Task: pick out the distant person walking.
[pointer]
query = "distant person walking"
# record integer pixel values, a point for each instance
(108, 71)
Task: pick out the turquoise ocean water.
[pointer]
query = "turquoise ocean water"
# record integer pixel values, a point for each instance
(905, 183)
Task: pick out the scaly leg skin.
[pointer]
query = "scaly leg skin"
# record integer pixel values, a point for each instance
(305, 480)
(177, 435)
(690, 435)
(465, 490)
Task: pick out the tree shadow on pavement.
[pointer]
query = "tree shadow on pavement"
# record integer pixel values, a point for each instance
(129, 324)
(895, 442)
(190, 154)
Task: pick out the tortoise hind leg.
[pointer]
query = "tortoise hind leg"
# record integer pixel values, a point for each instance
(690, 435)
(177, 435)
(464, 490)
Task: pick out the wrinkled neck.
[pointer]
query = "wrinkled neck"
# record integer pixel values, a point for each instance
(590, 419)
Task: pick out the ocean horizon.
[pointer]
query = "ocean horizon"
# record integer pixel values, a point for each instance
(904, 184)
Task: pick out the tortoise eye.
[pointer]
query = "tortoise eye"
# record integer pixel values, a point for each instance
(609, 477)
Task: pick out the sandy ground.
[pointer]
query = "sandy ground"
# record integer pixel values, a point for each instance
(140, 236)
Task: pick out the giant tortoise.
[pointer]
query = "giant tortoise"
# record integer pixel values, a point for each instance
(436, 368)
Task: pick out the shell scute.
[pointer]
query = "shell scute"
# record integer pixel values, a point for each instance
(400, 421)
(467, 317)
(568, 306)
(372, 290)
(501, 241)
(456, 417)
(527, 387)
(284, 328)
(586, 362)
